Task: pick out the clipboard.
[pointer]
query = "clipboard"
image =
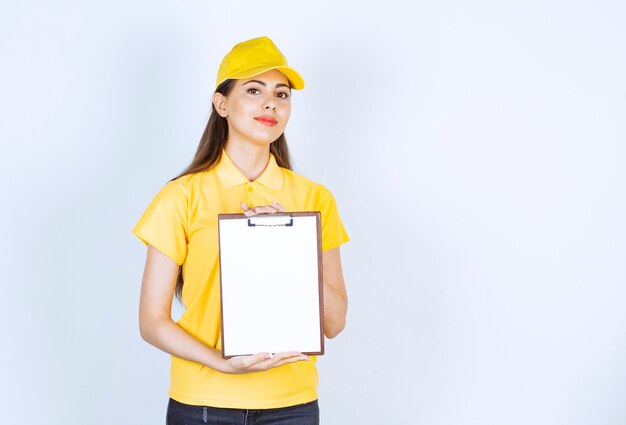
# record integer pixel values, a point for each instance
(271, 283)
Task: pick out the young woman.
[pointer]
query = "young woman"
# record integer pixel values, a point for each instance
(241, 165)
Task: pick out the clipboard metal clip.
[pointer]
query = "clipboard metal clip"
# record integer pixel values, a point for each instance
(271, 220)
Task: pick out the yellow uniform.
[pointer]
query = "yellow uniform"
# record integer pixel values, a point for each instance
(181, 222)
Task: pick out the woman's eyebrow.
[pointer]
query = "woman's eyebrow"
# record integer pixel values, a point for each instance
(265, 85)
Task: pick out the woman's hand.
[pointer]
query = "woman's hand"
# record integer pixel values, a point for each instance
(260, 362)
(263, 209)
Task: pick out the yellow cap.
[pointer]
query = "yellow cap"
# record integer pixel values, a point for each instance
(253, 57)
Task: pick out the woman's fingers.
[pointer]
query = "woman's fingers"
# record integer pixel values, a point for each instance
(280, 359)
(262, 209)
(250, 361)
(278, 207)
(288, 355)
(265, 209)
(293, 359)
(249, 212)
(264, 361)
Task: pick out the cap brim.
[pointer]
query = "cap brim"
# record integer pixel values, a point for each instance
(295, 80)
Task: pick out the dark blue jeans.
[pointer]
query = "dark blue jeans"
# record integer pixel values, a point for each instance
(185, 414)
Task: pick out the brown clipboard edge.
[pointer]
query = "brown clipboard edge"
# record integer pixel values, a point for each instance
(320, 275)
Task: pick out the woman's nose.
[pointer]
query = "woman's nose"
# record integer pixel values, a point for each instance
(270, 104)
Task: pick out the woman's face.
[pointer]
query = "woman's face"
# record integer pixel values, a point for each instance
(257, 109)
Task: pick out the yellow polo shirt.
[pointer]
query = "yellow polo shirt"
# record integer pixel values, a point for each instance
(181, 222)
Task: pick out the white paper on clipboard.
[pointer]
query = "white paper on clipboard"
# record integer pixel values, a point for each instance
(271, 283)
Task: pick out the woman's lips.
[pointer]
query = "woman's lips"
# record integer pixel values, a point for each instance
(265, 120)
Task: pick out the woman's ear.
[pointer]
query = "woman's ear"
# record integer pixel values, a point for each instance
(219, 103)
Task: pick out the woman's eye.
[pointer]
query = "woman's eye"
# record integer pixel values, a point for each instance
(283, 95)
(253, 91)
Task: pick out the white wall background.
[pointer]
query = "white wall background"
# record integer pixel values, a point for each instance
(477, 152)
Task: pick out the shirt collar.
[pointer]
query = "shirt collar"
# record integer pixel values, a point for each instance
(229, 174)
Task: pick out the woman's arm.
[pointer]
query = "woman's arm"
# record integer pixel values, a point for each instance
(158, 328)
(335, 296)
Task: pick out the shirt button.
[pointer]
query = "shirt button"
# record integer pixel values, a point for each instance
(249, 188)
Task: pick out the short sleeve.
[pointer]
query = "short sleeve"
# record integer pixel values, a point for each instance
(164, 223)
(333, 232)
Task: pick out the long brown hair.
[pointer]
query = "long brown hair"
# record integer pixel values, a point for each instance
(209, 153)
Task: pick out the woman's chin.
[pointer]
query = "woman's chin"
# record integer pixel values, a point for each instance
(259, 139)
(264, 141)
